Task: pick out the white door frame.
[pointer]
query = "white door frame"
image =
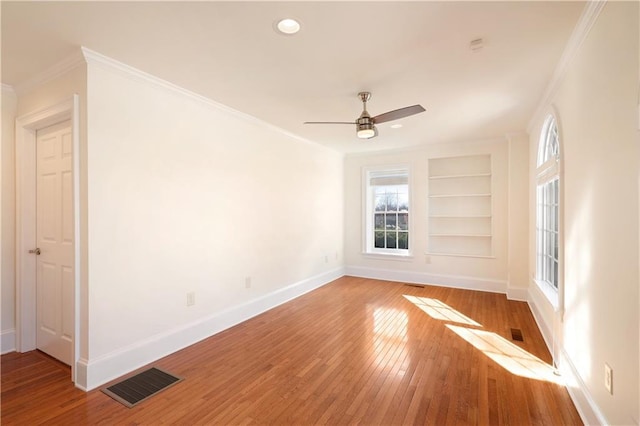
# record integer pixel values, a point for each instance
(26, 128)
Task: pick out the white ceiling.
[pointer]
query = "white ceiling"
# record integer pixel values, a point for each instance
(405, 53)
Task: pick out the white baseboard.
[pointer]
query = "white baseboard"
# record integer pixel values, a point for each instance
(454, 281)
(518, 293)
(93, 373)
(539, 318)
(8, 341)
(587, 408)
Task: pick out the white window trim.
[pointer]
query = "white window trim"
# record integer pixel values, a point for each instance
(552, 294)
(367, 224)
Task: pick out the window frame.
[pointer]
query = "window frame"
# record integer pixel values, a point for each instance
(368, 203)
(548, 160)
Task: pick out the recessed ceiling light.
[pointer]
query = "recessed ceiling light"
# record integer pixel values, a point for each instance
(288, 26)
(396, 126)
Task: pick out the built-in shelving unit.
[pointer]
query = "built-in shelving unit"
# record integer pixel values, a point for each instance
(460, 219)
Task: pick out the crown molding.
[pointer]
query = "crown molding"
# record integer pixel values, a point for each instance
(94, 58)
(588, 18)
(64, 66)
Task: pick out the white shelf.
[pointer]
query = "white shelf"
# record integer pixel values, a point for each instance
(460, 195)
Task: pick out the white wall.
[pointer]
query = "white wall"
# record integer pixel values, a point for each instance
(186, 196)
(596, 103)
(8, 274)
(518, 206)
(490, 274)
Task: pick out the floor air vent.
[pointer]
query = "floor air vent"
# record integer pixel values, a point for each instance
(136, 389)
(414, 285)
(516, 334)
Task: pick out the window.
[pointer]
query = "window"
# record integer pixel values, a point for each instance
(387, 211)
(547, 230)
(548, 206)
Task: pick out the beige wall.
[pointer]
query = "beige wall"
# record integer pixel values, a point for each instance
(519, 209)
(596, 105)
(185, 196)
(480, 273)
(8, 273)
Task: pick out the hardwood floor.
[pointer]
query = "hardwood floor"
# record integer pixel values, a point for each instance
(354, 351)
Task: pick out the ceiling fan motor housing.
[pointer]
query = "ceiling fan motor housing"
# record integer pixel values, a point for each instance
(365, 127)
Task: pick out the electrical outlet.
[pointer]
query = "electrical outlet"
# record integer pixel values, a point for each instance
(326, 259)
(191, 298)
(608, 378)
(247, 282)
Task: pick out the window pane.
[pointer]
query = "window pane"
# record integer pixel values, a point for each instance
(390, 221)
(378, 221)
(548, 194)
(391, 240)
(403, 202)
(392, 202)
(403, 240)
(380, 203)
(403, 221)
(379, 239)
(539, 265)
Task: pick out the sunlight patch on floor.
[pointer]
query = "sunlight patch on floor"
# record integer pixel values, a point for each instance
(439, 310)
(390, 336)
(511, 357)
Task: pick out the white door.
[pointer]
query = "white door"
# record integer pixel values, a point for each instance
(54, 235)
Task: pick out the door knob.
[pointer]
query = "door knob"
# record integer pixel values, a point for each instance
(35, 251)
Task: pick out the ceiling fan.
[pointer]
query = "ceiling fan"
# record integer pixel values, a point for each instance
(365, 124)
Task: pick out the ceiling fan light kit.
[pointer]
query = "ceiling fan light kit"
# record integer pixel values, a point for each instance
(365, 124)
(366, 131)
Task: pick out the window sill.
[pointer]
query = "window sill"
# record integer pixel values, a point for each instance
(388, 256)
(550, 293)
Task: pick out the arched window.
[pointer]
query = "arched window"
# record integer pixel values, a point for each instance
(548, 206)
(548, 147)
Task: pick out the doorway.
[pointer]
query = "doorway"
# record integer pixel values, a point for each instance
(47, 232)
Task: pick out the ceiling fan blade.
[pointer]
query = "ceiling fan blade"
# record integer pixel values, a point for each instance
(329, 122)
(398, 113)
